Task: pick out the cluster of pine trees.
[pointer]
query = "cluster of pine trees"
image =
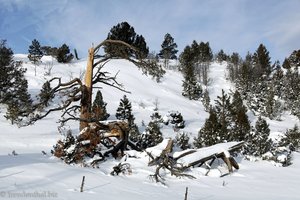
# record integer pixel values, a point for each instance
(267, 89)
(36, 52)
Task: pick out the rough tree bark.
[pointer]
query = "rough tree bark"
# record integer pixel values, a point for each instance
(86, 101)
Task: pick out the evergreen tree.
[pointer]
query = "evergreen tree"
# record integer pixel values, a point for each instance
(19, 103)
(156, 117)
(134, 133)
(277, 82)
(294, 59)
(286, 64)
(13, 86)
(241, 125)
(262, 62)
(291, 139)
(245, 78)
(124, 32)
(182, 140)
(45, 95)
(124, 111)
(7, 68)
(63, 54)
(205, 52)
(210, 133)
(99, 108)
(292, 90)
(35, 52)
(233, 66)
(258, 143)
(191, 88)
(151, 137)
(141, 44)
(168, 49)
(206, 100)
(223, 110)
(177, 120)
(221, 56)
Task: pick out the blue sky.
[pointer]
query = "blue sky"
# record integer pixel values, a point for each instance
(232, 25)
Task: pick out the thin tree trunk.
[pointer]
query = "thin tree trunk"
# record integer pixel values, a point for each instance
(86, 101)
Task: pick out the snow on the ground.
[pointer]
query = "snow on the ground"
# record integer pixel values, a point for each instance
(31, 174)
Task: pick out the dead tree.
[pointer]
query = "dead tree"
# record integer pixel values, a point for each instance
(165, 161)
(77, 93)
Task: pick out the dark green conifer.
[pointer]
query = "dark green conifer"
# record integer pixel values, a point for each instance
(99, 112)
(35, 52)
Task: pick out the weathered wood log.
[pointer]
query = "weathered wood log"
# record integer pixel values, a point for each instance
(165, 161)
(229, 160)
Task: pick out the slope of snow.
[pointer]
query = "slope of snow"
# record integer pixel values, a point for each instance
(32, 173)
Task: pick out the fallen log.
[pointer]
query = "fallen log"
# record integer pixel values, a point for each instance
(200, 156)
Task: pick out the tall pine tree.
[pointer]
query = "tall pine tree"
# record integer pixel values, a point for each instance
(240, 122)
(14, 86)
(191, 88)
(35, 52)
(168, 49)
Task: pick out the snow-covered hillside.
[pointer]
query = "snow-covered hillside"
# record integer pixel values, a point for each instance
(34, 175)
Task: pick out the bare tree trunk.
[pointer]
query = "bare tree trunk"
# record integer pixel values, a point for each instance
(86, 101)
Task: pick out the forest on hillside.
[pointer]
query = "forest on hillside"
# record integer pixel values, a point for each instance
(266, 89)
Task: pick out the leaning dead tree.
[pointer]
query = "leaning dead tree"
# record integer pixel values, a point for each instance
(77, 93)
(76, 104)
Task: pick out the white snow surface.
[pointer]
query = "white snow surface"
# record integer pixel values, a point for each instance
(33, 175)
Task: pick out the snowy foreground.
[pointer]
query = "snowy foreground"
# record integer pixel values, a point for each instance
(25, 172)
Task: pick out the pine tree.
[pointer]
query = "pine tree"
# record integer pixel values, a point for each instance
(262, 62)
(63, 54)
(151, 137)
(258, 143)
(291, 139)
(20, 103)
(141, 44)
(13, 85)
(124, 111)
(210, 133)
(291, 81)
(177, 119)
(223, 110)
(35, 52)
(168, 49)
(206, 100)
(99, 108)
(294, 59)
(45, 95)
(124, 32)
(286, 64)
(182, 140)
(191, 88)
(221, 56)
(7, 66)
(241, 125)
(205, 52)
(233, 66)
